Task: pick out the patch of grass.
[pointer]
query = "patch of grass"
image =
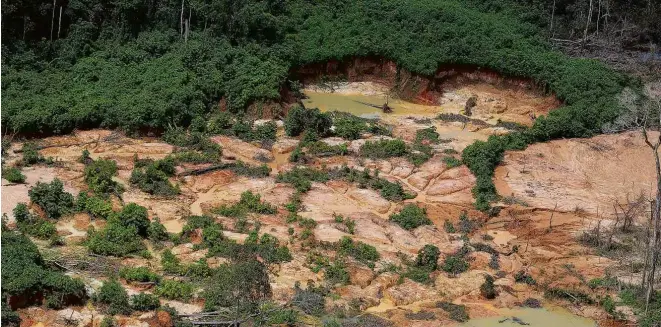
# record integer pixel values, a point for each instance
(411, 217)
(13, 175)
(175, 290)
(301, 178)
(457, 311)
(383, 149)
(321, 149)
(451, 162)
(249, 203)
(139, 274)
(360, 251)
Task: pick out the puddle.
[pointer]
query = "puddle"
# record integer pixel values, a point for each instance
(551, 317)
(359, 104)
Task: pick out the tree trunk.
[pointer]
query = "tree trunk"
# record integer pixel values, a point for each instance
(181, 20)
(657, 235)
(52, 22)
(59, 24)
(552, 18)
(587, 24)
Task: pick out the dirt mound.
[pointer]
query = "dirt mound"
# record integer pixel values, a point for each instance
(584, 174)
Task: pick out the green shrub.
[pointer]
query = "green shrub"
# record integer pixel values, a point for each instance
(144, 302)
(455, 264)
(350, 127)
(383, 149)
(487, 289)
(451, 162)
(25, 273)
(574, 296)
(175, 290)
(428, 257)
(52, 198)
(449, 227)
(418, 274)
(156, 231)
(10, 318)
(336, 273)
(153, 178)
(33, 225)
(301, 178)
(321, 149)
(94, 205)
(115, 239)
(300, 119)
(114, 297)
(139, 274)
(242, 285)
(457, 311)
(265, 132)
(13, 175)
(427, 136)
(98, 176)
(133, 215)
(108, 321)
(360, 251)
(411, 217)
(31, 155)
(249, 202)
(522, 277)
(171, 264)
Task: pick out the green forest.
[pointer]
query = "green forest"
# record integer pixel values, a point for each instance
(145, 65)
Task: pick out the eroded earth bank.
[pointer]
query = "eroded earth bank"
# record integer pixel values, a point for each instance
(356, 247)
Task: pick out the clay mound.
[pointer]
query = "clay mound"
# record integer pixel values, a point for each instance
(586, 174)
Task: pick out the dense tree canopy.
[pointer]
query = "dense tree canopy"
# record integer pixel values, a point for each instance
(149, 65)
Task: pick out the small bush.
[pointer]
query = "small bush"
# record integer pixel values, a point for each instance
(358, 250)
(174, 290)
(411, 217)
(114, 297)
(52, 198)
(13, 175)
(242, 285)
(139, 274)
(523, 277)
(301, 178)
(532, 303)
(449, 227)
(94, 205)
(133, 215)
(427, 136)
(383, 149)
(321, 149)
(116, 240)
(455, 264)
(31, 155)
(451, 162)
(428, 257)
(309, 300)
(249, 202)
(418, 274)
(153, 178)
(574, 296)
(336, 273)
(349, 128)
(457, 312)
(487, 289)
(98, 176)
(144, 302)
(300, 119)
(156, 231)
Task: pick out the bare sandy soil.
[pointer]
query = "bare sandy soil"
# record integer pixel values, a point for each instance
(586, 173)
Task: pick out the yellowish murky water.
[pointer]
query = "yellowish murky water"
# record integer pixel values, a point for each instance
(551, 317)
(358, 104)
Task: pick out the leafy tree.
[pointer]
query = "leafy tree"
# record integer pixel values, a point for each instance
(52, 198)
(25, 274)
(242, 285)
(115, 239)
(428, 257)
(114, 297)
(133, 215)
(300, 119)
(98, 176)
(411, 217)
(13, 175)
